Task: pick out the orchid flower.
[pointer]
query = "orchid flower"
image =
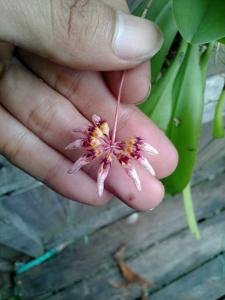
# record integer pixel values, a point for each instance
(98, 143)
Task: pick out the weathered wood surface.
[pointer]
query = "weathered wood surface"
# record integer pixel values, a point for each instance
(178, 253)
(13, 180)
(14, 231)
(206, 282)
(5, 286)
(161, 264)
(5, 266)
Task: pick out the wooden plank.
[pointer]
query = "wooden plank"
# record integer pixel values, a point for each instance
(55, 219)
(161, 264)
(13, 180)
(214, 150)
(206, 282)
(40, 209)
(6, 289)
(17, 235)
(82, 259)
(5, 266)
(8, 254)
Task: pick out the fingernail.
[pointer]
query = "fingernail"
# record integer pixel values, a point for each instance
(135, 38)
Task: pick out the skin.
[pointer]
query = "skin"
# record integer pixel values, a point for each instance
(37, 118)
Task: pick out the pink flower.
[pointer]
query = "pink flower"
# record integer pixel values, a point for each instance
(97, 142)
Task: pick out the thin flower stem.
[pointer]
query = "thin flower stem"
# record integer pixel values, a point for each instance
(117, 107)
(121, 83)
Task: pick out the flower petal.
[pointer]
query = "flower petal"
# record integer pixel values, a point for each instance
(82, 161)
(75, 145)
(82, 129)
(102, 175)
(148, 148)
(145, 163)
(133, 175)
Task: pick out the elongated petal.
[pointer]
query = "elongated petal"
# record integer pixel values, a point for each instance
(145, 163)
(133, 175)
(82, 161)
(148, 148)
(75, 145)
(102, 175)
(82, 129)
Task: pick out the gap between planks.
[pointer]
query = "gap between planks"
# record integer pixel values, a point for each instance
(79, 260)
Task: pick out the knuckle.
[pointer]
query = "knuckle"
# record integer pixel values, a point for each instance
(68, 83)
(13, 147)
(41, 117)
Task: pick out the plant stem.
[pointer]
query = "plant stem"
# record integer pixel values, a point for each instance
(190, 214)
(122, 81)
(218, 124)
(117, 107)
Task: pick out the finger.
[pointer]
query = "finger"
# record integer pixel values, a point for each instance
(83, 89)
(28, 99)
(137, 81)
(39, 108)
(29, 153)
(118, 4)
(6, 52)
(83, 34)
(136, 87)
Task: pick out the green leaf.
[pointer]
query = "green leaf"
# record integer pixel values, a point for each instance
(204, 61)
(222, 41)
(185, 124)
(190, 214)
(200, 21)
(159, 106)
(165, 21)
(161, 13)
(218, 123)
(153, 12)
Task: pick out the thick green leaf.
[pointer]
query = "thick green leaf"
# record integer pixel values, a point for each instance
(185, 124)
(190, 213)
(218, 123)
(161, 13)
(200, 21)
(222, 41)
(204, 61)
(159, 106)
(165, 21)
(154, 10)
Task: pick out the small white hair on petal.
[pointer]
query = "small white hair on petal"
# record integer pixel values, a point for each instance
(148, 148)
(96, 119)
(75, 145)
(102, 175)
(145, 163)
(82, 161)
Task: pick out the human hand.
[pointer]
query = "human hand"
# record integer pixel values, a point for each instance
(37, 118)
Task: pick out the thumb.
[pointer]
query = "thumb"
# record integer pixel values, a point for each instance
(86, 34)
